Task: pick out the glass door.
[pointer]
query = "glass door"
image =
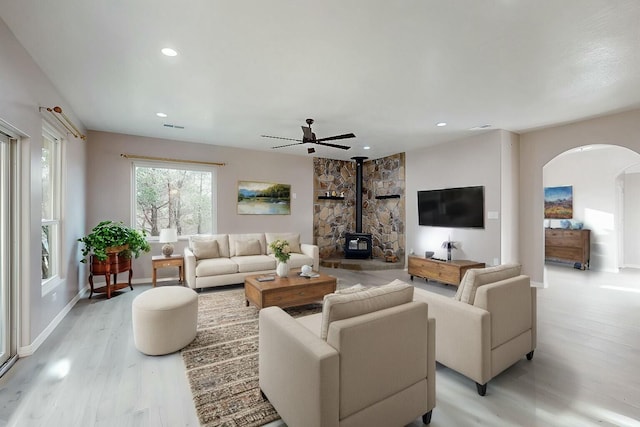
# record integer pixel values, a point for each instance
(7, 343)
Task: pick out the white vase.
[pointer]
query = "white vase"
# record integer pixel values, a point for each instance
(282, 269)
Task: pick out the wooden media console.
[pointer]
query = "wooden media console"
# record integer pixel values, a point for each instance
(449, 272)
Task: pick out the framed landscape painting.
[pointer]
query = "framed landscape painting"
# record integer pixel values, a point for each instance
(263, 198)
(558, 202)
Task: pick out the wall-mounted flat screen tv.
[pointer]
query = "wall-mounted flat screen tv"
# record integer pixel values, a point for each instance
(452, 207)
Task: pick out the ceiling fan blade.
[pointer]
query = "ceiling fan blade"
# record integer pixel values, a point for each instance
(280, 137)
(333, 138)
(344, 147)
(289, 145)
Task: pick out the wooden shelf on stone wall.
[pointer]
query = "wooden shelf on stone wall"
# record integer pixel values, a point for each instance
(330, 197)
(388, 196)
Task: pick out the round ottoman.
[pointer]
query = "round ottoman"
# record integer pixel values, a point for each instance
(164, 319)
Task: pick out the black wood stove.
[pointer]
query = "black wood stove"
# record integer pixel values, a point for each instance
(358, 244)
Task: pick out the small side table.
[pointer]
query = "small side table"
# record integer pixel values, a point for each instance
(161, 261)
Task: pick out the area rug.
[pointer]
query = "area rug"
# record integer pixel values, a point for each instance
(222, 361)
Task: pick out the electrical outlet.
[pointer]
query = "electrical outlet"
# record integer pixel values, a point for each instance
(496, 261)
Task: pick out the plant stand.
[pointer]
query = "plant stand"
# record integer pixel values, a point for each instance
(113, 265)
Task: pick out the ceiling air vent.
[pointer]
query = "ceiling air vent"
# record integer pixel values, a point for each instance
(168, 125)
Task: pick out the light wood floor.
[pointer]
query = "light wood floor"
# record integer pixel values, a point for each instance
(586, 369)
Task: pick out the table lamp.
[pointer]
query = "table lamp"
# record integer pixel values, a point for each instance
(168, 236)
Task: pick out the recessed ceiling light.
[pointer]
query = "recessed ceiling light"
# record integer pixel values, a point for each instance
(441, 124)
(366, 147)
(161, 115)
(169, 52)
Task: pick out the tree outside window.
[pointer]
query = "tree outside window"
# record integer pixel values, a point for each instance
(174, 197)
(51, 193)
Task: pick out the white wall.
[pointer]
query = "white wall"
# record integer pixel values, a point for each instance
(468, 162)
(24, 88)
(593, 174)
(537, 148)
(631, 226)
(109, 185)
(509, 201)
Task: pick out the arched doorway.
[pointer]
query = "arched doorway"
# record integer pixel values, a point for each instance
(599, 175)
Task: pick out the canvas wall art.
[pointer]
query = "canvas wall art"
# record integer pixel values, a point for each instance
(263, 198)
(558, 202)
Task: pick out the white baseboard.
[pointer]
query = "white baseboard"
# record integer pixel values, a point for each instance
(631, 266)
(28, 350)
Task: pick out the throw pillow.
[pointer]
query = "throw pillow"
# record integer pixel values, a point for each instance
(292, 238)
(248, 247)
(477, 277)
(343, 306)
(205, 249)
(222, 239)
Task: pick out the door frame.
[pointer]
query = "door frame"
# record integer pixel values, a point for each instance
(10, 224)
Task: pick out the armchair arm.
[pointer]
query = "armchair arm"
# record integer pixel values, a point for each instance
(314, 252)
(512, 305)
(463, 335)
(190, 268)
(298, 371)
(431, 364)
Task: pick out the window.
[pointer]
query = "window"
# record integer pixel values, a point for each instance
(175, 196)
(51, 202)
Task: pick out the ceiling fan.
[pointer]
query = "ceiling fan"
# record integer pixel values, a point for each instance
(308, 137)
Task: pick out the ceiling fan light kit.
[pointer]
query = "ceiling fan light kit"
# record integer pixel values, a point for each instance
(308, 137)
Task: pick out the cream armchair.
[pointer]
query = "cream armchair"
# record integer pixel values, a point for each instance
(367, 360)
(488, 326)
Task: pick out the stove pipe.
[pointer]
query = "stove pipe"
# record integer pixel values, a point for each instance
(359, 165)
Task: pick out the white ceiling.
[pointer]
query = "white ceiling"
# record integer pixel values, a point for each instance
(386, 71)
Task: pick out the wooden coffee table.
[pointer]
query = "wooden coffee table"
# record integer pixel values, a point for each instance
(287, 291)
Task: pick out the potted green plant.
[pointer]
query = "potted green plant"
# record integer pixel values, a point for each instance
(113, 237)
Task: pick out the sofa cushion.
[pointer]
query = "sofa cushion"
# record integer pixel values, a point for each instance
(476, 277)
(292, 238)
(248, 247)
(205, 249)
(215, 267)
(352, 289)
(343, 306)
(235, 238)
(222, 239)
(297, 260)
(249, 263)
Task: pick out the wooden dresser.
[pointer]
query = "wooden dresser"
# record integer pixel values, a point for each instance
(449, 272)
(568, 245)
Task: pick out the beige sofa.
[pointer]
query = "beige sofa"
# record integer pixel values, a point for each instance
(225, 259)
(367, 360)
(488, 326)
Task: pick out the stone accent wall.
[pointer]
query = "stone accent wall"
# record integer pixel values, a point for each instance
(333, 218)
(384, 219)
